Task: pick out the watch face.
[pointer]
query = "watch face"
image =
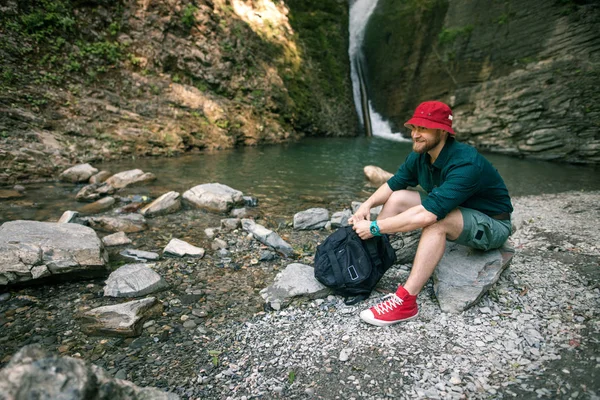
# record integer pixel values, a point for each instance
(373, 230)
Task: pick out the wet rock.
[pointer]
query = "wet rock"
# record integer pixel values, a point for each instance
(116, 239)
(464, 275)
(19, 188)
(340, 219)
(78, 173)
(140, 255)
(230, 224)
(67, 217)
(239, 213)
(295, 280)
(125, 223)
(128, 178)
(213, 197)
(88, 193)
(267, 236)
(134, 280)
(124, 319)
(179, 248)
(98, 206)
(313, 218)
(100, 177)
(31, 250)
(250, 201)
(10, 194)
(166, 204)
(376, 175)
(34, 373)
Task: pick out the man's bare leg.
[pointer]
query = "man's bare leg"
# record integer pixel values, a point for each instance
(431, 249)
(398, 202)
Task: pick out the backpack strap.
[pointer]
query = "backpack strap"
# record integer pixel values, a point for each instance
(350, 301)
(372, 247)
(337, 269)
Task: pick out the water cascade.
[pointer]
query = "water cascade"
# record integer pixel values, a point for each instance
(374, 124)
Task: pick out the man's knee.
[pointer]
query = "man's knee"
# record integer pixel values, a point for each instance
(402, 200)
(451, 226)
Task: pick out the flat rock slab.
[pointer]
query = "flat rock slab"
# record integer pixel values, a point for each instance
(33, 373)
(125, 223)
(31, 250)
(213, 197)
(268, 237)
(124, 319)
(179, 248)
(464, 275)
(134, 280)
(313, 218)
(98, 206)
(78, 173)
(67, 217)
(10, 194)
(168, 203)
(295, 280)
(140, 255)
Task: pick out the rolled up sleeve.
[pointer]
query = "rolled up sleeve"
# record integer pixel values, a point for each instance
(461, 182)
(406, 175)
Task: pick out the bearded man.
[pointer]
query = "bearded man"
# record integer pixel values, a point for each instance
(466, 202)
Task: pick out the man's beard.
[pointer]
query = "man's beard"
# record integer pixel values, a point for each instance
(424, 147)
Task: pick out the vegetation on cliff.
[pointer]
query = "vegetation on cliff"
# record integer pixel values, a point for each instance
(83, 81)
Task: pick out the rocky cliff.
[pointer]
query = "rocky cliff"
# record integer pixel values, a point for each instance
(521, 76)
(91, 80)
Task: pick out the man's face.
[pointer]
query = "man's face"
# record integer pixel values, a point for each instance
(425, 139)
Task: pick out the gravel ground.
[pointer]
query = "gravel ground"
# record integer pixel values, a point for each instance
(534, 335)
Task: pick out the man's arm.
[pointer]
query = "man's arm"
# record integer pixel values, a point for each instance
(414, 218)
(378, 198)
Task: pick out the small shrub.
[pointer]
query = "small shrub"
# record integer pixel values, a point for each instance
(188, 18)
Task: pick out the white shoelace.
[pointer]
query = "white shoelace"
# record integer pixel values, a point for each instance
(388, 305)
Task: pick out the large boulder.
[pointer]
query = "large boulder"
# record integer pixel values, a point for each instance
(31, 250)
(134, 280)
(166, 204)
(376, 175)
(464, 275)
(313, 218)
(267, 236)
(124, 319)
(128, 178)
(295, 280)
(78, 173)
(32, 373)
(213, 197)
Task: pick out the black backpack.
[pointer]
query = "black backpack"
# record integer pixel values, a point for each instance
(352, 266)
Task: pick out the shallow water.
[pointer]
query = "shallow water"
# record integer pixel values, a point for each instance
(315, 172)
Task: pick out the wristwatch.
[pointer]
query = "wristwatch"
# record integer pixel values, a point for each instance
(374, 228)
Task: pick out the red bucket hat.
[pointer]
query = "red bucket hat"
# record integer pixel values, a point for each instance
(432, 115)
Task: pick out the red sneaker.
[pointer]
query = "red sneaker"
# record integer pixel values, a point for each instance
(396, 307)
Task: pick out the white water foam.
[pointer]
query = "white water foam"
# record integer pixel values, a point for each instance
(360, 12)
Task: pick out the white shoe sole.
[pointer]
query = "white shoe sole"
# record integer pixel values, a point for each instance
(367, 316)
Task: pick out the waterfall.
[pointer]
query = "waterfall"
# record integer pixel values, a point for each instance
(360, 11)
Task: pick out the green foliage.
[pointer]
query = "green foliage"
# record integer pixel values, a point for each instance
(291, 377)
(188, 18)
(449, 35)
(49, 19)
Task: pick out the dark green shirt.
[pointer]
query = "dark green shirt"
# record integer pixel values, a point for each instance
(459, 177)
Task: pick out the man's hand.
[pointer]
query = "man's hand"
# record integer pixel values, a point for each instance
(362, 229)
(362, 214)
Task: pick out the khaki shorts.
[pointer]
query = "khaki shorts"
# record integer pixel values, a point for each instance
(480, 231)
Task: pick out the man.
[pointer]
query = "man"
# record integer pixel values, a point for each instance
(467, 202)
